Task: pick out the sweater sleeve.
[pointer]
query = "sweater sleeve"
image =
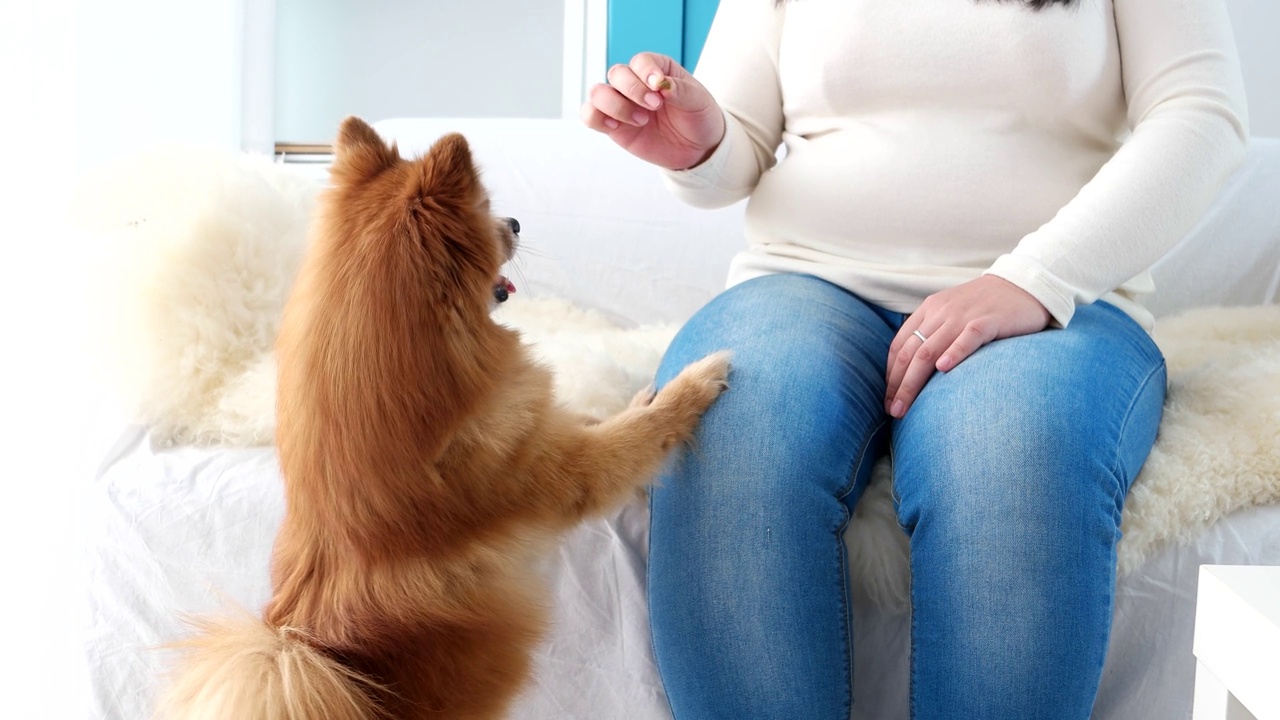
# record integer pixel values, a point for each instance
(1187, 113)
(739, 66)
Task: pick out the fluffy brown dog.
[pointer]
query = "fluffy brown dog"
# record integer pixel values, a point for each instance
(425, 463)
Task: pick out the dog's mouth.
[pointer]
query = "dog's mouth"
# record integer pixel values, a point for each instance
(503, 287)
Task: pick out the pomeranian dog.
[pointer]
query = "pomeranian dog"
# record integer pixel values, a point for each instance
(425, 460)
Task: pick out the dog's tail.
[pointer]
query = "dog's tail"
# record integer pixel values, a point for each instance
(244, 669)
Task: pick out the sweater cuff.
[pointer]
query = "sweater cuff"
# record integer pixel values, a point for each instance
(1054, 294)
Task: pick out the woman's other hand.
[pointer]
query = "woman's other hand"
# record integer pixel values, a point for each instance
(656, 111)
(956, 322)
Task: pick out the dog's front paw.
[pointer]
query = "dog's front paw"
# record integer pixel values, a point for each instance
(699, 384)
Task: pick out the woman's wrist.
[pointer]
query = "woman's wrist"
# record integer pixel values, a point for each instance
(709, 152)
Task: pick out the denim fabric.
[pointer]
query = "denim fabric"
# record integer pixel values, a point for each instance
(1010, 473)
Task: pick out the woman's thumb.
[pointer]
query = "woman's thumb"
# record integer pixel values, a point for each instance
(678, 92)
(659, 82)
(663, 75)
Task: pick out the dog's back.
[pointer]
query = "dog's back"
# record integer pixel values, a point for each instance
(392, 553)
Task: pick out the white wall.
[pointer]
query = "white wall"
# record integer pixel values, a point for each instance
(504, 58)
(406, 58)
(156, 71)
(82, 82)
(42, 366)
(1257, 28)
(147, 71)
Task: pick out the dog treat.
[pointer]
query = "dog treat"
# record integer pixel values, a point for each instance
(664, 84)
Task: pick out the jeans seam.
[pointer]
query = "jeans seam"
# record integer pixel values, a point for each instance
(846, 605)
(648, 583)
(1124, 424)
(911, 661)
(848, 487)
(846, 610)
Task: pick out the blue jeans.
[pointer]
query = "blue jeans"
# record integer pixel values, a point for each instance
(1010, 472)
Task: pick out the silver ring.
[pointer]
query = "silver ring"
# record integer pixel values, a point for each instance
(920, 335)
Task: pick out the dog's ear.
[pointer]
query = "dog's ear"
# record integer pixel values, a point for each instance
(448, 170)
(359, 153)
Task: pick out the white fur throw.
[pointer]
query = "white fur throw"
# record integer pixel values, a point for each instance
(204, 251)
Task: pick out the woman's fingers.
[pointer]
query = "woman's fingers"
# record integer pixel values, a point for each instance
(626, 99)
(655, 110)
(623, 79)
(652, 68)
(975, 334)
(914, 361)
(613, 104)
(899, 360)
(674, 85)
(912, 364)
(949, 327)
(596, 120)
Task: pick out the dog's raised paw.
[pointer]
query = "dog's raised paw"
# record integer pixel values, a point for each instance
(701, 382)
(714, 369)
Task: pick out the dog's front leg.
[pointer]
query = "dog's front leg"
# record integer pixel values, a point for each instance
(600, 466)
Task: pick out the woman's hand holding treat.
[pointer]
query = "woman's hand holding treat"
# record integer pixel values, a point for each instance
(655, 110)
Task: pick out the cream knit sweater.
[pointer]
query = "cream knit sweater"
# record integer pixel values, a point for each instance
(931, 141)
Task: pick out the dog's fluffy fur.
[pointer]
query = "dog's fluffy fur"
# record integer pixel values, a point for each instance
(426, 463)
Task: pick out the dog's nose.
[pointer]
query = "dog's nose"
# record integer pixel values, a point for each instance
(514, 224)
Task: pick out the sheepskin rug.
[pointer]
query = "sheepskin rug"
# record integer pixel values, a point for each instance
(201, 254)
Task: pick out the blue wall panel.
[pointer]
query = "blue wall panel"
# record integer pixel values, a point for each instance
(697, 21)
(645, 25)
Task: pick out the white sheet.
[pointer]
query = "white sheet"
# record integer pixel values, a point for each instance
(171, 530)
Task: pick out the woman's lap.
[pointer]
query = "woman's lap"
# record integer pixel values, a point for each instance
(748, 593)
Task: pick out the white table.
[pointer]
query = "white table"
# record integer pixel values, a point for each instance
(1237, 643)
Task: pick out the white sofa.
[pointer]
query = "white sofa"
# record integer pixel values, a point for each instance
(182, 529)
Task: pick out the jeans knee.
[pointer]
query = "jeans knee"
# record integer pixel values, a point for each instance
(1035, 427)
